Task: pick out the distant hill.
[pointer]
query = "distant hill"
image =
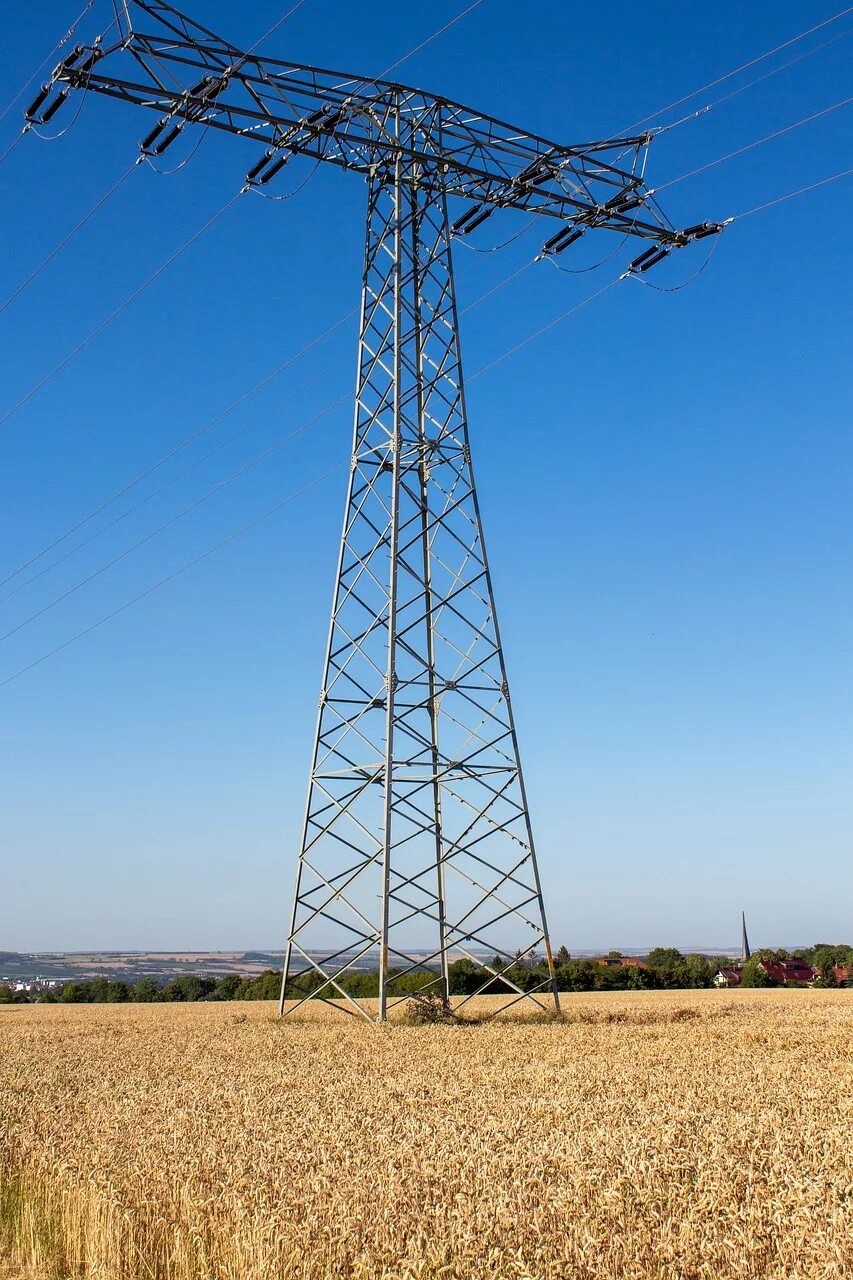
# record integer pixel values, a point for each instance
(130, 966)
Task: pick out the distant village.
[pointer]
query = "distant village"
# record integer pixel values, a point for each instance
(779, 968)
(784, 970)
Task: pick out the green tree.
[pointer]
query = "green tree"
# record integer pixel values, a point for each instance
(302, 984)
(577, 975)
(117, 993)
(145, 991)
(267, 985)
(188, 987)
(611, 977)
(465, 977)
(827, 975)
(834, 953)
(5, 994)
(226, 988)
(562, 957)
(361, 986)
(664, 958)
(638, 979)
(521, 974)
(75, 993)
(698, 972)
(755, 975)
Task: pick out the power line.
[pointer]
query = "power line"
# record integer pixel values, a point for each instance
(99, 328)
(491, 163)
(196, 435)
(750, 146)
(339, 467)
(217, 488)
(30, 127)
(271, 30)
(327, 333)
(67, 239)
(64, 40)
(156, 493)
(360, 82)
(190, 564)
(712, 84)
(36, 272)
(167, 524)
(750, 84)
(166, 457)
(544, 329)
(423, 44)
(495, 288)
(179, 448)
(685, 284)
(252, 524)
(12, 146)
(813, 186)
(582, 271)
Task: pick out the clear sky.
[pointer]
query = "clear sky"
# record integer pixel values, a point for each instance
(665, 480)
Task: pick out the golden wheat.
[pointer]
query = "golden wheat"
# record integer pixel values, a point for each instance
(695, 1135)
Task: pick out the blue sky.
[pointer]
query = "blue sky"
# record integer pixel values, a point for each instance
(665, 481)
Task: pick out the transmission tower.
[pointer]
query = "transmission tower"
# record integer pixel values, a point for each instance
(416, 824)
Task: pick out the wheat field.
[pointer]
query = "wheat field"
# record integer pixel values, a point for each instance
(686, 1134)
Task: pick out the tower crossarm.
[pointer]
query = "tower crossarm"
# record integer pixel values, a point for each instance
(190, 76)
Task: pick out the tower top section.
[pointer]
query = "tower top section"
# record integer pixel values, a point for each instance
(186, 73)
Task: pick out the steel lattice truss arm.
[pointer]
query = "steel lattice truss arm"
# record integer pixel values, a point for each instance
(189, 75)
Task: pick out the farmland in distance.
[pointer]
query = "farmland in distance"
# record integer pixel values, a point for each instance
(693, 1134)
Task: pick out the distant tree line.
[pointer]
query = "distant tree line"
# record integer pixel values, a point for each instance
(664, 968)
(188, 987)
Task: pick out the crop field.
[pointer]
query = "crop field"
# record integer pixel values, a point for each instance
(680, 1134)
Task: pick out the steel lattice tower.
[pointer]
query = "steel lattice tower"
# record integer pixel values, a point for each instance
(416, 819)
(416, 803)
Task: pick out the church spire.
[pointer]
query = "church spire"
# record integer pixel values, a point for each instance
(744, 940)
